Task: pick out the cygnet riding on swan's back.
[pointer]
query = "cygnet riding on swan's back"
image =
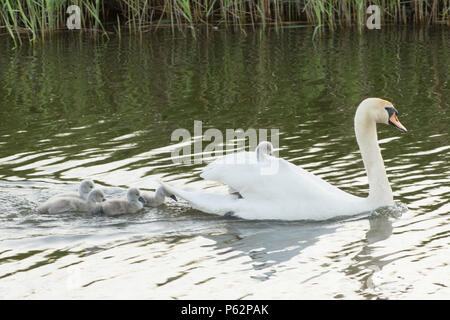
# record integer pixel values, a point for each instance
(290, 192)
(263, 150)
(133, 204)
(66, 204)
(155, 199)
(86, 186)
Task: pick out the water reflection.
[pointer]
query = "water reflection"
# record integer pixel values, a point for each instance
(366, 263)
(380, 228)
(269, 244)
(73, 109)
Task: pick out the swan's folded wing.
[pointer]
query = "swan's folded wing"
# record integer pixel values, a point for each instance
(272, 178)
(226, 169)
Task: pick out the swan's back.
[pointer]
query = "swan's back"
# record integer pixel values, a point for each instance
(276, 185)
(276, 176)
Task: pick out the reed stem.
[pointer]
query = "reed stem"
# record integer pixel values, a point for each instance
(35, 18)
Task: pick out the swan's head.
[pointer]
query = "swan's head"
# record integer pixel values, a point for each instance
(86, 186)
(380, 111)
(134, 195)
(96, 195)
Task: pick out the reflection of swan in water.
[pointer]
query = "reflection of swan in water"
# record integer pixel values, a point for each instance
(380, 229)
(271, 243)
(273, 188)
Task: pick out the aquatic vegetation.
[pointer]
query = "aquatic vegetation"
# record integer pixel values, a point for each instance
(37, 18)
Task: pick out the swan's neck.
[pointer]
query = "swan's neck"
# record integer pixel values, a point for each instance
(380, 192)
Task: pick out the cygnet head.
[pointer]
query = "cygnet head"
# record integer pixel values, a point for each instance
(134, 195)
(86, 186)
(264, 148)
(380, 111)
(162, 192)
(96, 195)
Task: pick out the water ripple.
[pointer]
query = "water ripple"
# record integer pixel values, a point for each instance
(111, 120)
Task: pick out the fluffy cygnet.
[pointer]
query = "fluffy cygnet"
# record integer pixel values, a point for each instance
(115, 207)
(86, 186)
(66, 204)
(155, 199)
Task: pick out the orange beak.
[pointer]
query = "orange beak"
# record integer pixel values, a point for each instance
(393, 120)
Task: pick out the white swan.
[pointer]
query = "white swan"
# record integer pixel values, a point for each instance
(67, 204)
(274, 188)
(155, 199)
(115, 207)
(86, 186)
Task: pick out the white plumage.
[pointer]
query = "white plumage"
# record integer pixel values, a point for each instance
(273, 188)
(155, 199)
(115, 207)
(62, 204)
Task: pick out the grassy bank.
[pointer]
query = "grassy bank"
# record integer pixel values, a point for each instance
(34, 19)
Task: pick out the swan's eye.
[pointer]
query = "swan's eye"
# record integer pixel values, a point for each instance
(391, 111)
(393, 118)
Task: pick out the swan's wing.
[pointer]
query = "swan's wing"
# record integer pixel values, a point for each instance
(206, 202)
(271, 189)
(274, 178)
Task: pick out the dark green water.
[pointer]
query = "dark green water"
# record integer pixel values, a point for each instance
(73, 108)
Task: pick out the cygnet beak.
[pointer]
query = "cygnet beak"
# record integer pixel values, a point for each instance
(141, 199)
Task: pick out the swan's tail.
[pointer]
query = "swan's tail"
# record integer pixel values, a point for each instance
(220, 204)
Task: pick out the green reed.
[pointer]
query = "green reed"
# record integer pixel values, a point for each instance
(36, 18)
